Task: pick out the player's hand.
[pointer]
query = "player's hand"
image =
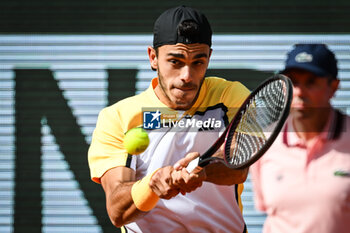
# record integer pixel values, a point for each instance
(162, 183)
(187, 182)
(182, 163)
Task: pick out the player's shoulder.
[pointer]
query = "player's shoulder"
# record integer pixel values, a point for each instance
(231, 93)
(218, 81)
(220, 84)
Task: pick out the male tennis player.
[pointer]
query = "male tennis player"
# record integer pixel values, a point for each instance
(183, 113)
(303, 180)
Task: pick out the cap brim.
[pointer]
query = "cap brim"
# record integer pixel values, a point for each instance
(308, 67)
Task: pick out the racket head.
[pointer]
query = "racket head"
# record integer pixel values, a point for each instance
(258, 122)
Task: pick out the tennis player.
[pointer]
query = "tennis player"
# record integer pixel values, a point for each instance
(303, 180)
(184, 113)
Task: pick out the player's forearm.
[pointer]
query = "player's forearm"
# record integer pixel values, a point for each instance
(218, 173)
(120, 205)
(117, 183)
(127, 199)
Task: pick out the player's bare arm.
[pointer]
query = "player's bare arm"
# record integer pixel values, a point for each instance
(117, 184)
(216, 173)
(166, 183)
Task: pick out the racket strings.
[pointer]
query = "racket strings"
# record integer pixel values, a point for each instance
(259, 119)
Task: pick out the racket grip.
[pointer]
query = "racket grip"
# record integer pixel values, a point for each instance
(192, 165)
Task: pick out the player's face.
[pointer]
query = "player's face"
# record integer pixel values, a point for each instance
(181, 69)
(311, 94)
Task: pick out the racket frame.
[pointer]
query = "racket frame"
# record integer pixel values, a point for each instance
(234, 123)
(206, 158)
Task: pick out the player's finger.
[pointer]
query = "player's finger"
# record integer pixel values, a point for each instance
(162, 184)
(179, 180)
(185, 161)
(189, 182)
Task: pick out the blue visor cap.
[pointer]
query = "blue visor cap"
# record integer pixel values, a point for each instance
(316, 58)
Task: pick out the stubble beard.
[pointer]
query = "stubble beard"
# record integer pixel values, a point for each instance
(180, 105)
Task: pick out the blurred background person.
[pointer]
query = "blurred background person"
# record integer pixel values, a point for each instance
(303, 180)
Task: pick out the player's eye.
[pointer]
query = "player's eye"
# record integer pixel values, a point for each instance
(199, 62)
(174, 61)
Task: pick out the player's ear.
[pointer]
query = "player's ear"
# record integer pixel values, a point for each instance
(334, 86)
(152, 55)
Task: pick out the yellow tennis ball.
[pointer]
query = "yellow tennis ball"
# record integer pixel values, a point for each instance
(136, 141)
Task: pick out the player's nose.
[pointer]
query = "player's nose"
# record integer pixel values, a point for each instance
(186, 74)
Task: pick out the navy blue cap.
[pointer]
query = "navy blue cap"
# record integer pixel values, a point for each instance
(316, 58)
(166, 31)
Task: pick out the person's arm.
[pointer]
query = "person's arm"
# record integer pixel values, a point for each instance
(117, 183)
(216, 173)
(165, 183)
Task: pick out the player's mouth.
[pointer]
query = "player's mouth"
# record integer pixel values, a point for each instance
(185, 89)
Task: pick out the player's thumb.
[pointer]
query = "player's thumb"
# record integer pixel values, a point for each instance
(182, 163)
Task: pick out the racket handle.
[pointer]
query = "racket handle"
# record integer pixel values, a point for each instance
(192, 165)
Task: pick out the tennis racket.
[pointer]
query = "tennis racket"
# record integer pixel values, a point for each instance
(254, 127)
